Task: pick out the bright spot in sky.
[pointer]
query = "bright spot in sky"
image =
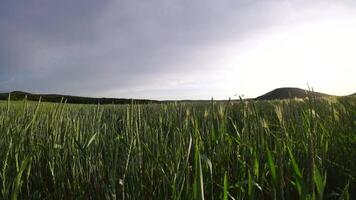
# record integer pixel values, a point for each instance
(321, 54)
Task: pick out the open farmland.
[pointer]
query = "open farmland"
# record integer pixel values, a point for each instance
(282, 149)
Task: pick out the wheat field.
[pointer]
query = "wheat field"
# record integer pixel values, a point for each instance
(282, 149)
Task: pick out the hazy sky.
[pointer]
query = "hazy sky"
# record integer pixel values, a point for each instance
(177, 49)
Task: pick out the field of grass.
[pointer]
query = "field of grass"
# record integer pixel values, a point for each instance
(287, 149)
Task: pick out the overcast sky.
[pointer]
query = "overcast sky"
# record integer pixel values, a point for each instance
(177, 49)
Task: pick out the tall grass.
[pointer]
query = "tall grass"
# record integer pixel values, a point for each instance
(288, 149)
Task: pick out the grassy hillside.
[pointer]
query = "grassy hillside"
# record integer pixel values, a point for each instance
(288, 92)
(18, 95)
(288, 149)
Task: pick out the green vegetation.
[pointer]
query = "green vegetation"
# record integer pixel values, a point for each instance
(287, 149)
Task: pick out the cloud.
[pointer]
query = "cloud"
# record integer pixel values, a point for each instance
(113, 47)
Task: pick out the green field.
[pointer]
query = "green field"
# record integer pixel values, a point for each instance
(287, 149)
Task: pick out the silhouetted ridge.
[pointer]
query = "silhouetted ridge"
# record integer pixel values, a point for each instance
(288, 92)
(19, 95)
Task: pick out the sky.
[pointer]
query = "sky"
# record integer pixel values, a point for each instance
(177, 49)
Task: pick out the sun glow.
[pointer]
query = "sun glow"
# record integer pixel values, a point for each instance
(319, 54)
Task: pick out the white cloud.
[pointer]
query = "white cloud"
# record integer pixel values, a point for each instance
(179, 49)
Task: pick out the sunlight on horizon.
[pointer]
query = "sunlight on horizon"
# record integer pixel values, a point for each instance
(320, 55)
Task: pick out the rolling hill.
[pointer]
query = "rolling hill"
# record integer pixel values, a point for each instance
(19, 95)
(279, 93)
(289, 92)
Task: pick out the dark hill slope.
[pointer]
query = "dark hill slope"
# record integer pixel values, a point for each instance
(18, 95)
(288, 92)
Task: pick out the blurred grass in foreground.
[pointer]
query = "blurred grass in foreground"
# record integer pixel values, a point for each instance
(287, 149)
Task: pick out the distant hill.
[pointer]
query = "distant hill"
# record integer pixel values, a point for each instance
(279, 93)
(288, 92)
(19, 95)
